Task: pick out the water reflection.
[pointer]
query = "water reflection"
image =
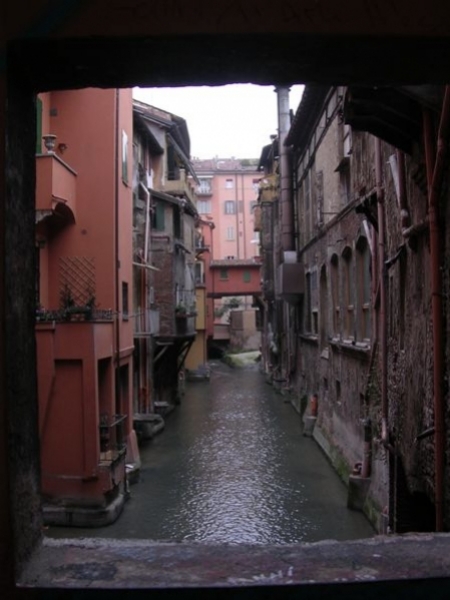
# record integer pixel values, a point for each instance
(232, 466)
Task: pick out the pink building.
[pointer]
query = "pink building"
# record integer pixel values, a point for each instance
(83, 294)
(228, 192)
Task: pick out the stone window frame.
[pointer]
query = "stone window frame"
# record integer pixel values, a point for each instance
(324, 320)
(229, 207)
(204, 206)
(335, 296)
(230, 234)
(347, 294)
(363, 290)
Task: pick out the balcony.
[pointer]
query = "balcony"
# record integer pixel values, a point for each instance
(75, 314)
(55, 188)
(205, 188)
(180, 187)
(112, 438)
(185, 324)
(146, 323)
(200, 245)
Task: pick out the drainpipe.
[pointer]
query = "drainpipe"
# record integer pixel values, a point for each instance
(116, 251)
(435, 175)
(382, 288)
(284, 123)
(367, 457)
(145, 291)
(286, 209)
(402, 199)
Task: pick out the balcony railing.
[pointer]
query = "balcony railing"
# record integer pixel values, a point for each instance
(185, 323)
(204, 189)
(146, 322)
(74, 314)
(181, 187)
(112, 438)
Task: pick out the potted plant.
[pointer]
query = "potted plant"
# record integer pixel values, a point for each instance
(68, 302)
(180, 311)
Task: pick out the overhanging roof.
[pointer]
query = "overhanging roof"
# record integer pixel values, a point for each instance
(184, 157)
(388, 113)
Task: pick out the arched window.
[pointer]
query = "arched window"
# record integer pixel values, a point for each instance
(324, 312)
(348, 306)
(363, 276)
(335, 303)
(307, 306)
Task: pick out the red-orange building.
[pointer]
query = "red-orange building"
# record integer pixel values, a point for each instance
(83, 293)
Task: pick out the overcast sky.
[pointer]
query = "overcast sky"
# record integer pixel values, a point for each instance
(233, 120)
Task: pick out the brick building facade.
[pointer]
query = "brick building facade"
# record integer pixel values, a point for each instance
(362, 337)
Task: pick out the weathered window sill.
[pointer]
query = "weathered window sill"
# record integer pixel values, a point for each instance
(357, 349)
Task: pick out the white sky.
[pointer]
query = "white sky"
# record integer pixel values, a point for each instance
(232, 120)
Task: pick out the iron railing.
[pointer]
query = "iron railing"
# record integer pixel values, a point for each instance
(112, 437)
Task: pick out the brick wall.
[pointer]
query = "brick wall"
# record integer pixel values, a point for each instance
(163, 259)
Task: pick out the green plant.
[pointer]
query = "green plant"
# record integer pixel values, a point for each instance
(67, 298)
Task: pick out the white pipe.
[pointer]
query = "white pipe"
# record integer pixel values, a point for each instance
(286, 210)
(147, 220)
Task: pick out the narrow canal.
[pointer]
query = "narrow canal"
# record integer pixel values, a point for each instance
(232, 466)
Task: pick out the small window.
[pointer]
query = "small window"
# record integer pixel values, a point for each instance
(241, 206)
(230, 234)
(347, 294)
(224, 273)
(199, 273)
(229, 184)
(158, 220)
(177, 229)
(246, 277)
(230, 207)
(363, 284)
(204, 207)
(124, 301)
(335, 294)
(124, 157)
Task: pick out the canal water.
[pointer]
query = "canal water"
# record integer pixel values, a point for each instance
(232, 466)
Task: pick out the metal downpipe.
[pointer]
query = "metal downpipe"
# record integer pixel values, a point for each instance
(382, 288)
(434, 177)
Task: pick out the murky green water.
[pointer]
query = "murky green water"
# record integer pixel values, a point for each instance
(233, 466)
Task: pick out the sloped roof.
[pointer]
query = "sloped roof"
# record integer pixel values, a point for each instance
(306, 115)
(225, 164)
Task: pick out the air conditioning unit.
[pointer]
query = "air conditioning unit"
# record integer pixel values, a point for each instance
(291, 279)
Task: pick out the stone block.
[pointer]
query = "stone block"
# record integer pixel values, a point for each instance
(357, 491)
(308, 426)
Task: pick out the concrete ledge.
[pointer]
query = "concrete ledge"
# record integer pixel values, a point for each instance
(81, 516)
(101, 563)
(369, 507)
(147, 425)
